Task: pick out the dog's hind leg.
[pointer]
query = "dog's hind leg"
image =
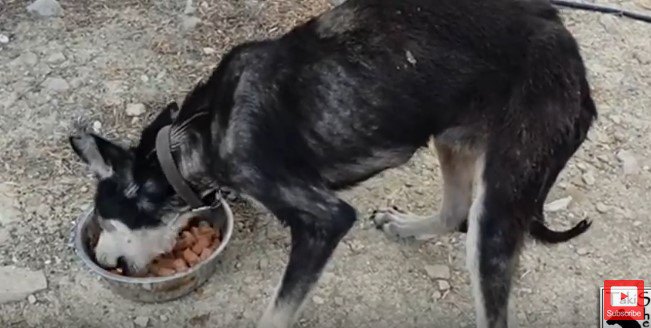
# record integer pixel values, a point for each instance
(317, 221)
(492, 249)
(457, 168)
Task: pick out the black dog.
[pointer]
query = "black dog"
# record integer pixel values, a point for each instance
(499, 84)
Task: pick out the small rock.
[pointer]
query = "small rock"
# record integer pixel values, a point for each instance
(163, 318)
(438, 271)
(646, 4)
(616, 119)
(45, 8)
(263, 264)
(56, 84)
(436, 295)
(629, 162)
(17, 283)
(602, 208)
(588, 178)
(135, 109)
(443, 285)
(56, 57)
(582, 251)
(144, 78)
(558, 205)
(189, 8)
(209, 51)
(97, 126)
(410, 57)
(9, 213)
(637, 223)
(317, 300)
(4, 38)
(29, 58)
(31, 299)
(141, 321)
(189, 22)
(339, 301)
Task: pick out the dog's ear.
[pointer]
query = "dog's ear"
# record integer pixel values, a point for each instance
(102, 156)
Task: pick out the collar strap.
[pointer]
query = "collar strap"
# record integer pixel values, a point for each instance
(174, 177)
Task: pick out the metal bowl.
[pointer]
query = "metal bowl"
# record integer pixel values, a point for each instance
(153, 289)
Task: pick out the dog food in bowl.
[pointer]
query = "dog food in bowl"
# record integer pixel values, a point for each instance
(194, 244)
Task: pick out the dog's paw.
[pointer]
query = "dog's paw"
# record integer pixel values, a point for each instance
(400, 224)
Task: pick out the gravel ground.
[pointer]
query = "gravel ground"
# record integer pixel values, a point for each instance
(86, 66)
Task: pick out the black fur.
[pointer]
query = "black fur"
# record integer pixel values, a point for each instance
(358, 90)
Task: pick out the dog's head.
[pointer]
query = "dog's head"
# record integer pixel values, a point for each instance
(133, 200)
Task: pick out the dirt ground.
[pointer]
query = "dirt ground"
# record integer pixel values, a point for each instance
(87, 65)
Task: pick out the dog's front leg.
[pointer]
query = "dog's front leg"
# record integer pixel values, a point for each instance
(317, 224)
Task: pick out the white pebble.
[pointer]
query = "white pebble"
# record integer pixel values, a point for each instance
(318, 300)
(141, 321)
(558, 205)
(4, 38)
(97, 126)
(45, 8)
(438, 271)
(135, 109)
(209, 51)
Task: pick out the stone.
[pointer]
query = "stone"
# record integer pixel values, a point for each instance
(436, 295)
(582, 251)
(56, 84)
(410, 57)
(189, 8)
(438, 271)
(443, 285)
(209, 51)
(135, 109)
(31, 299)
(263, 264)
(141, 321)
(9, 100)
(189, 22)
(56, 57)
(45, 8)
(28, 59)
(18, 283)
(588, 178)
(9, 213)
(317, 300)
(558, 205)
(4, 38)
(163, 318)
(602, 208)
(630, 164)
(97, 126)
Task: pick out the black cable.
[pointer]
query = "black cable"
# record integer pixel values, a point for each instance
(602, 9)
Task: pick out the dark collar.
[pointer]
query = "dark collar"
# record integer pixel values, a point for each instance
(174, 177)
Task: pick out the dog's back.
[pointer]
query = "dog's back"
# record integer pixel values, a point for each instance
(359, 88)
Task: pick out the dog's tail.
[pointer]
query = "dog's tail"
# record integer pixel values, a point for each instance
(539, 231)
